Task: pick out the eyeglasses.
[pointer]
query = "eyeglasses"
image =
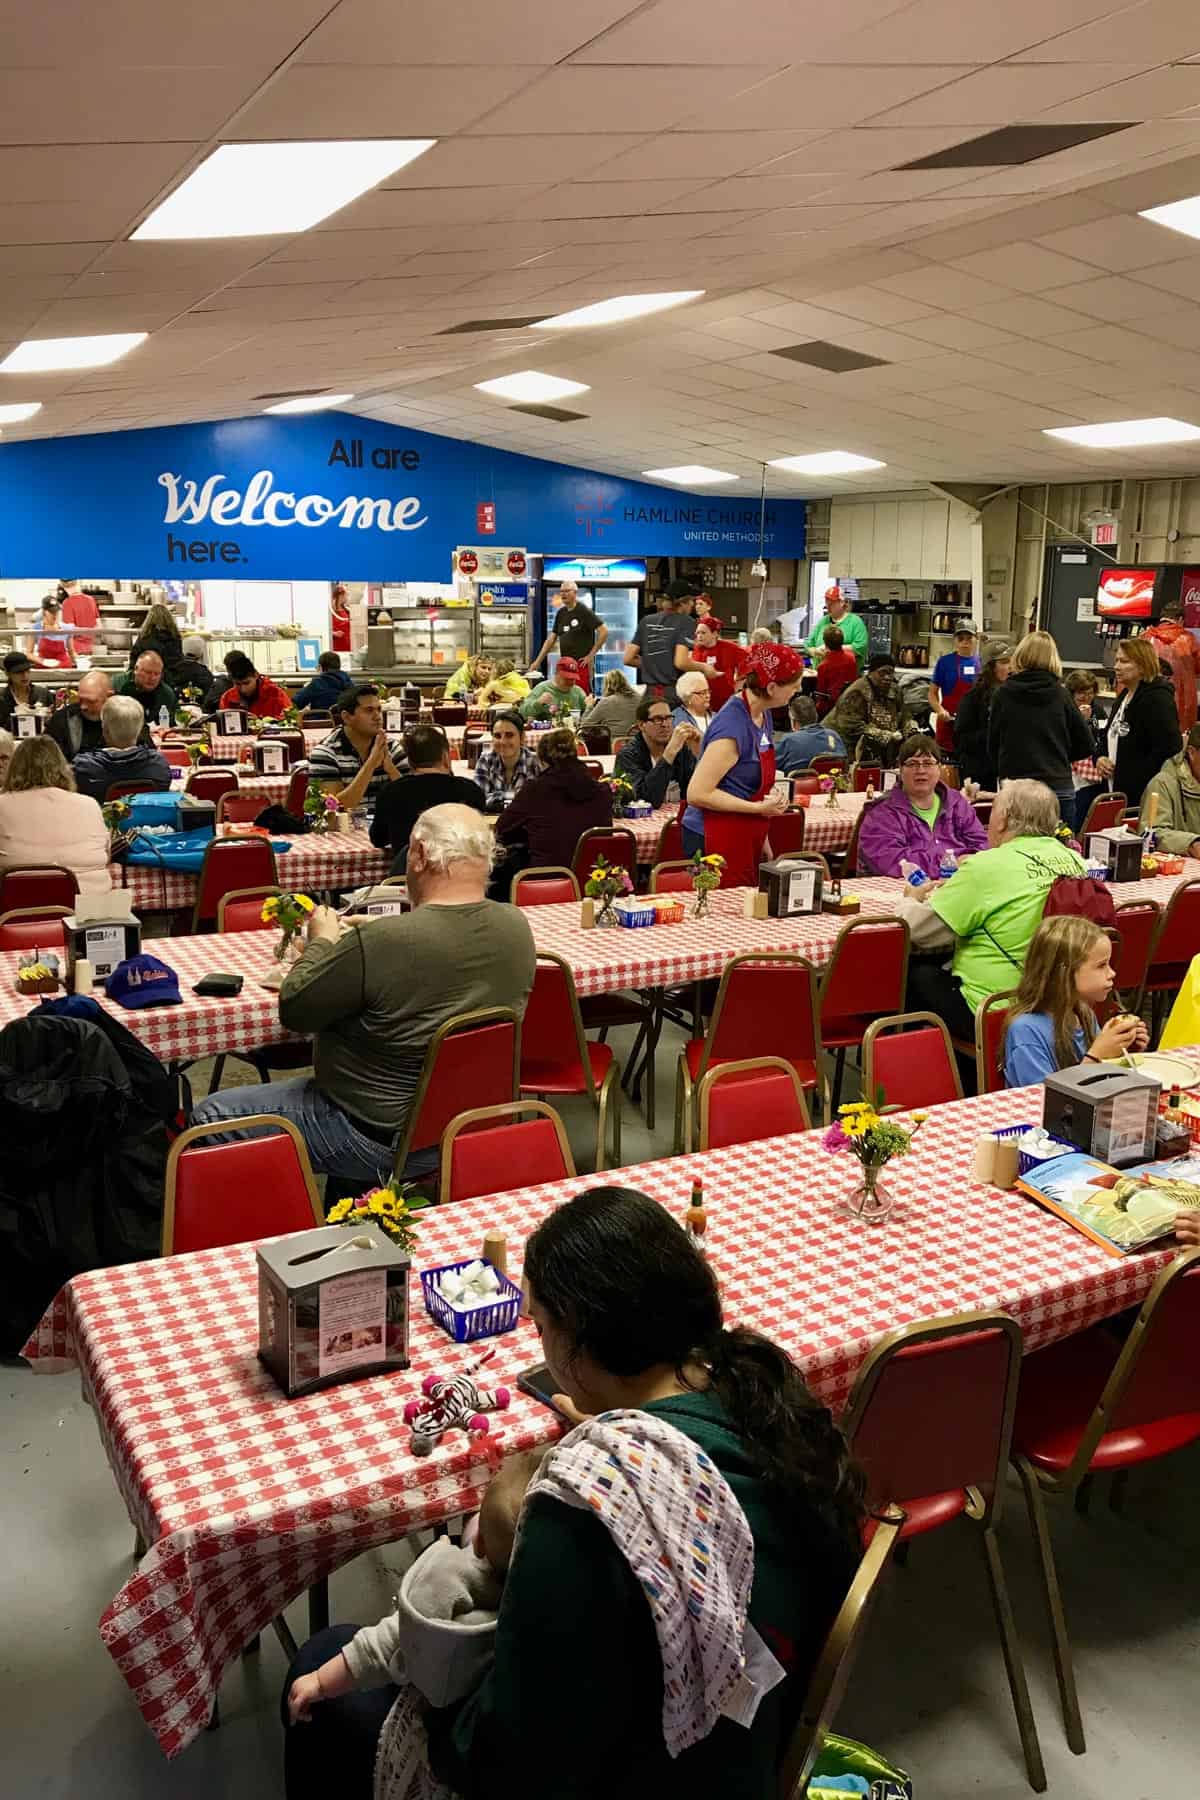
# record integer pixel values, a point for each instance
(920, 762)
(658, 718)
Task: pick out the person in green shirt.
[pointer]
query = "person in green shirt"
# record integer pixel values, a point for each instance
(560, 694)
(851, 625)
(572, 1706)
(144, 683)
(989, 910)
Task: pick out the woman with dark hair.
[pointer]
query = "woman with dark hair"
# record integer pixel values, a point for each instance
(160, 631)
(731, 801)
(602, 1682)
(971, 720)
(548, 815)
(1143, 727)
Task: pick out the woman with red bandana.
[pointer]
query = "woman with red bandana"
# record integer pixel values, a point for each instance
(730, 802)
(723, 663)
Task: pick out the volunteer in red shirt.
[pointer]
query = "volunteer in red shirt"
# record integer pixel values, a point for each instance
(723, 663)
(79, 609)
(339, 621)
(839, 668)
(253, 692)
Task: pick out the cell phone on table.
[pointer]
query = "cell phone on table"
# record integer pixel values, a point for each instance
(541, 1384)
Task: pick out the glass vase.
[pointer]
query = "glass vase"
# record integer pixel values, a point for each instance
(700, 910)
(868, 1199)
(608, 912)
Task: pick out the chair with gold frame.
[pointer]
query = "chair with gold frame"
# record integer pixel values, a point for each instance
(494, 1147)
(476, 1053)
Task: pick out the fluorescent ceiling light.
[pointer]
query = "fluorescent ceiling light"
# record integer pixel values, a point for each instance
(1123, 434)
(263, 190)
(621, 306)
(12, 415)
(689, 475)
(308, 403)
(43, 354)
(1180, 215)
(827, 462)
(530, 385)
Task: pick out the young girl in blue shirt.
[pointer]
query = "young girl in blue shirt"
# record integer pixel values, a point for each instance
(1068, 974)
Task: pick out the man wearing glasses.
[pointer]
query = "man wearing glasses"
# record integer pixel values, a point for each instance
(659, 759)
(920, 819)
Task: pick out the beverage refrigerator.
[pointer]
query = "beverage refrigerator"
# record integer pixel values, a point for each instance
(611, 586)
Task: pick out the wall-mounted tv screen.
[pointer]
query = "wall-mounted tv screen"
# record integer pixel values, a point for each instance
(1126, 593)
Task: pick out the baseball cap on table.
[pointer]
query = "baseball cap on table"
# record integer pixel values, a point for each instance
(143, 981)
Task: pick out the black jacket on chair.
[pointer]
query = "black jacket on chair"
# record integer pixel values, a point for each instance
(1036, 731)
(1153, 735)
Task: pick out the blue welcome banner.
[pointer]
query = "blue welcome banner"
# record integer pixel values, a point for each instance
(335, 496)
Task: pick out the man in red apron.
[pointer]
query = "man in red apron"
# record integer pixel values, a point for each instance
(953, 677)
(730, 798)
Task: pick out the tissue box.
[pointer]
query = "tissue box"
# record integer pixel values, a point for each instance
(1121, 853)
(104, 941)
(792, 886)
(230, 723)
(332, 1306)
(638, 809)
(27, 724)
(271, 757)
(1108, 1112)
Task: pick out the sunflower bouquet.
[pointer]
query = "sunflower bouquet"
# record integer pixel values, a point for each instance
(606, 883)
(706, 875)
(833, 783)
(622, 794)
(389, 1207)
(289, 912)
(198, 753)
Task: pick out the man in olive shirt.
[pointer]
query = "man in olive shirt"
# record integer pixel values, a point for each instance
(372, 997)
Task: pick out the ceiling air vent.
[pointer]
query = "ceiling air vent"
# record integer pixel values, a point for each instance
(834, 358)
(557, 413)
(1015, 144)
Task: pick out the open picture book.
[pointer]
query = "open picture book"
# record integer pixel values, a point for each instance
(1120, 1209)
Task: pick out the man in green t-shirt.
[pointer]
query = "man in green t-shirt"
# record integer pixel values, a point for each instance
(850, 624)
(988, 911)
(558, 696)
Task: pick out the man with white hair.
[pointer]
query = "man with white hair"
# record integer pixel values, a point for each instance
(122, 758)
(576, 632)
(78, 727)
(372, 995)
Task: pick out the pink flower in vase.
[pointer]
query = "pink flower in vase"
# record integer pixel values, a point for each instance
(835, 1138)
(331, 805)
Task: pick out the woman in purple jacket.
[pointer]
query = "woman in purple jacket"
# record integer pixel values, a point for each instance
(920, 819)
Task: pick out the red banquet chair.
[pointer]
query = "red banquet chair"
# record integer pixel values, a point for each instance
(913, 1067)
(805, 781)
(990, 1021)
(615, 843)
(766, 1005)
(271, 1176)
(448, 713)
(1105, 811)
(45, 885)
(231, 864)
(475, 1053)
(297, 793)
(32, 927)
(557, 1059)
(865, 976)
(786, 834)
(825, 765)
(930, 1419)
(740, 1102)
(672, 878)
(548, 886)
(1091, 1403)
(210, 784)
(239, 809)
(494, 1148)
(241, 909)
(850, 862)
(176, 755)
(1175, 942)
(1136, 923)
(122, 790)
(670, 842)
(867, 775)
(597, 739)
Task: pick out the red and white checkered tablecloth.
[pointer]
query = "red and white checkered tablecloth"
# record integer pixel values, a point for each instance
(273, 788)
(229, 749)
(828, 827)
(609, 960)
(246, 1499)
(200, 1026)
(1086, 771)
(319, 860)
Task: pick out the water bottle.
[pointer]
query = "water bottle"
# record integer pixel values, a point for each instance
(948, 865)
(913, 877)
(164, 718)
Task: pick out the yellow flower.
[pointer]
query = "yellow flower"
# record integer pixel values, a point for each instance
(855, 1106)
(270, 909)
(338, 1213)
(919, 1118)
(303, 902)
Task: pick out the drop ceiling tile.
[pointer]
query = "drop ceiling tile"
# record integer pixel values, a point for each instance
(802, 321)
(1113, 298)
(997, 96)
(121, 175)
(697, 153)
(596, 100)
(866, 148)
(310, 101)
(1120, 244)
(143, 34)
(949, 331)
(1030, 268)
(946, 31)
(945, 287)
(385, 207)
(608, 199)
(1181, 329)
(1114, 344)
(43, 225)
(1158, 94)
(1049, 359)
(489, 32)
(832, 96)
(1008, 225)
(1157, 31)
(152, 105)
(1028, 316)
(873, 306)
(1180, 278)
(492, 161)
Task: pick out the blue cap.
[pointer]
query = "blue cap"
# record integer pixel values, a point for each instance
(143, 981)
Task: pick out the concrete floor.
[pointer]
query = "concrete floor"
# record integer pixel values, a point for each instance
(929, 1689)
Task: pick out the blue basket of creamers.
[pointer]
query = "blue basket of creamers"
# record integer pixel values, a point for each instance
(1039, 1148)
(471, 1300)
